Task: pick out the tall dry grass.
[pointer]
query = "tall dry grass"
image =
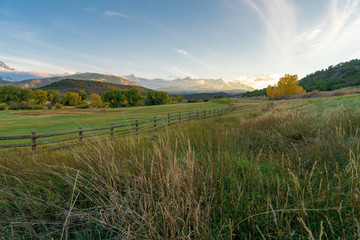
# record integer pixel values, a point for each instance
(277, 175)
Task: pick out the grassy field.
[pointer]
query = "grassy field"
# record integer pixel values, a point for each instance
(269, 169)
(22, 122)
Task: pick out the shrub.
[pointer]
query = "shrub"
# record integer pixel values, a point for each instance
(38, 106)
(83, 105)
(193, 100)
(49, 105)
(100, 105)
(24, 105)
(13, 106)
(2, 106)
(226, 100)
(58, 106)
(206, 99)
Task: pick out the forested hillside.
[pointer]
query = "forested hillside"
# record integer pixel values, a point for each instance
(334, 77)
(72, 85)
(342, 75)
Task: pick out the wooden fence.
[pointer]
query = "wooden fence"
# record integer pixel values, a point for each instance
(80, 135)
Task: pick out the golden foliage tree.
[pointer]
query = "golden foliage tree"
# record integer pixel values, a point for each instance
(287, 85)
(95, 99)
(70, 99)
(40, 96)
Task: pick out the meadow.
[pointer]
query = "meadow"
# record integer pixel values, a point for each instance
(284, 169)
(22, 122)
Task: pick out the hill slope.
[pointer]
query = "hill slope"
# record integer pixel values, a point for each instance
(89, 86)
(40, 82)
(342, 75)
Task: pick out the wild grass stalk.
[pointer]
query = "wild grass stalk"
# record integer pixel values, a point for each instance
(251, 174)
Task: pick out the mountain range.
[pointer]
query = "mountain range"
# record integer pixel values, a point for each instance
(188, 85)
(75, 85)
(40, 82)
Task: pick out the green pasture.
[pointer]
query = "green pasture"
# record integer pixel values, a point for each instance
(13, 122)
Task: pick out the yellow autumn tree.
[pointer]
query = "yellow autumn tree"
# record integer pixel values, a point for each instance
(95, 100)
(287, 85)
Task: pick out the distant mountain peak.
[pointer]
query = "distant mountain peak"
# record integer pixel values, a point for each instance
(6, 67)
(39, 82)
(190, 85)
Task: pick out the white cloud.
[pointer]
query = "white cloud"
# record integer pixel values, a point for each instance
(182, 52)
(115, 14)
(258, 82)
(175, 71)
(304, 45)
(30, 65)
(90, 9)
(279, 18)
(313, 34)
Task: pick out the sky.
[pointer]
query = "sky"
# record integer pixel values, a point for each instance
(255, 41)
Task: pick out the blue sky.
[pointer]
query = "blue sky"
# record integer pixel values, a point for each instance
(229, 39)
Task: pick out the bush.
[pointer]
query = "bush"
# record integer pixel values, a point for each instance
(2, 106)
(83, 106)
(226, 100)
(24, 105)
(100, 105)
(193, 100)
(49, 105)
(13, 106)
(58, 106)
(38, 106)
(206, 99)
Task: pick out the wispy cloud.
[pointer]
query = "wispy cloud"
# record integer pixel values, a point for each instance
(279, 18)
(259, 81)
(90, 9)
(115, 14)
(196, 60)
(23, 35)
(182, 52)
(291, 40)
(175, 71)
(31, 65)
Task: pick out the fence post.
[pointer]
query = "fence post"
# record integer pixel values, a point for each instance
(189, 116)
(204, 113)
(179, 117)
(33, 141)
(197, 115)
(168, 118)
(154, 121)
(112, 130)
(136, 126)
(80, 134)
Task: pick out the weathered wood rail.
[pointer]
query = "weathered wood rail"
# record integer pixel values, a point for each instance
(80, 135)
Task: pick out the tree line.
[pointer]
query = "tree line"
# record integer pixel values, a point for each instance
(18, 98)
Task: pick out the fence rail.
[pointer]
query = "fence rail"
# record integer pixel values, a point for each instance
(78, 136)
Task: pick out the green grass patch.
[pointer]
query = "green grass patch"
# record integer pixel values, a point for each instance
(23, 122)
